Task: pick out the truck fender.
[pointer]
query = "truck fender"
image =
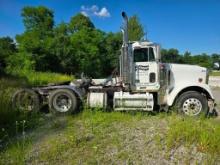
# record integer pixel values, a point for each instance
(173, 94)
(78, 91)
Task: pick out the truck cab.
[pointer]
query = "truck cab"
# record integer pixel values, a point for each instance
(146, 61)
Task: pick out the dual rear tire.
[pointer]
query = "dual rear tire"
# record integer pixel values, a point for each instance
(63, 101)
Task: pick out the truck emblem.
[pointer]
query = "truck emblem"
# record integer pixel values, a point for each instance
(142, 67)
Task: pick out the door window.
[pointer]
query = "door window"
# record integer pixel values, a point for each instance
(144, 55)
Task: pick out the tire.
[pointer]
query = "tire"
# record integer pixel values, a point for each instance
(26, 100)
(62, 101)
(192, 103)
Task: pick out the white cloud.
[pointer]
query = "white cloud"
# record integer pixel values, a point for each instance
(84, 13)
(94, 8)
(94, 11)
(103, 13)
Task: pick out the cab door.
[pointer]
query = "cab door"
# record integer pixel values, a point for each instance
(145, 69)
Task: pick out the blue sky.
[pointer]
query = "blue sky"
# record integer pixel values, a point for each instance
(188, 25)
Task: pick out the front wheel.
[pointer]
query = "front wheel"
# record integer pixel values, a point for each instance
(62, 101)
(192, 103)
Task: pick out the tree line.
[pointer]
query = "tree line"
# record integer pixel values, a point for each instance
(76, 46)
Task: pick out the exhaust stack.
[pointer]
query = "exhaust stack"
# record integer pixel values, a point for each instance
(125, 27)
(125, 60)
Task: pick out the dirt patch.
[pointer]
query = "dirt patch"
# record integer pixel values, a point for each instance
(214, 81)
(216, 93)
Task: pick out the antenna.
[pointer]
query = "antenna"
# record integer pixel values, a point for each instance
(144, 38)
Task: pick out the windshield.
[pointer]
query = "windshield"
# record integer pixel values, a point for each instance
(144, 55)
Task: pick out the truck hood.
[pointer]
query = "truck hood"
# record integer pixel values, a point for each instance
(187, 67)
(181, 73)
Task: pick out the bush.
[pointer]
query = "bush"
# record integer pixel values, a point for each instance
(20, 61)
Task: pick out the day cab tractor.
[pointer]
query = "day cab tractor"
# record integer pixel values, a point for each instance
(143, 83)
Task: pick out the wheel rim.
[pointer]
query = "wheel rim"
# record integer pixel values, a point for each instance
(62, 103)
(192, 107)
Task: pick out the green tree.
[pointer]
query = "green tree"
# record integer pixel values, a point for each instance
(187, 58)
(111, 50)
(86, 51)
(38, 36)
(171, 56)
(80, 21)
(135, 29)
(20, 61)
(202, 60)
(215, 57)
(62, 50)
(37, 18)
(7, 49)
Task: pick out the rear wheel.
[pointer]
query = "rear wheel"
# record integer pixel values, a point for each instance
(62, 101)
(192, 103)
(26, 100)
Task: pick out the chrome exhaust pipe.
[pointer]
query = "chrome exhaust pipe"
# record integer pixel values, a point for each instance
(125, 27)
(124, 61)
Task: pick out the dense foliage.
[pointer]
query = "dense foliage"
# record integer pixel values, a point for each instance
(136, 30)
(7, 49)
(76, 46)
(205, 60)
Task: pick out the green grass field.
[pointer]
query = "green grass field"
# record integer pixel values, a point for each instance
(217, 73)
(94, 137)
(98, 137)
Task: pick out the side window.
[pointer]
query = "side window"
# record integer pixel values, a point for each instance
(144, 55)
(140, 55)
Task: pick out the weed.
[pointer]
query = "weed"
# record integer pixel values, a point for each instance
(10, 117)
(204, 133)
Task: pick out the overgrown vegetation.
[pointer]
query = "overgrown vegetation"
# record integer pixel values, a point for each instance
(11, 120)
(95, 137)
(41, 78)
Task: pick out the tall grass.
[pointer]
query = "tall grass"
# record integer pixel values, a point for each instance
(41, 78)
(8, 85)
(203, 133)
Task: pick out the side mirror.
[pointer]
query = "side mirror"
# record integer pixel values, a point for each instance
(216, 65)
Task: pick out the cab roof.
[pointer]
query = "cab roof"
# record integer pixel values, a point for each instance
(142, 43)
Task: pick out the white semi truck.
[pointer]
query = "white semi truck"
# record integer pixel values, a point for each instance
(144, 83)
